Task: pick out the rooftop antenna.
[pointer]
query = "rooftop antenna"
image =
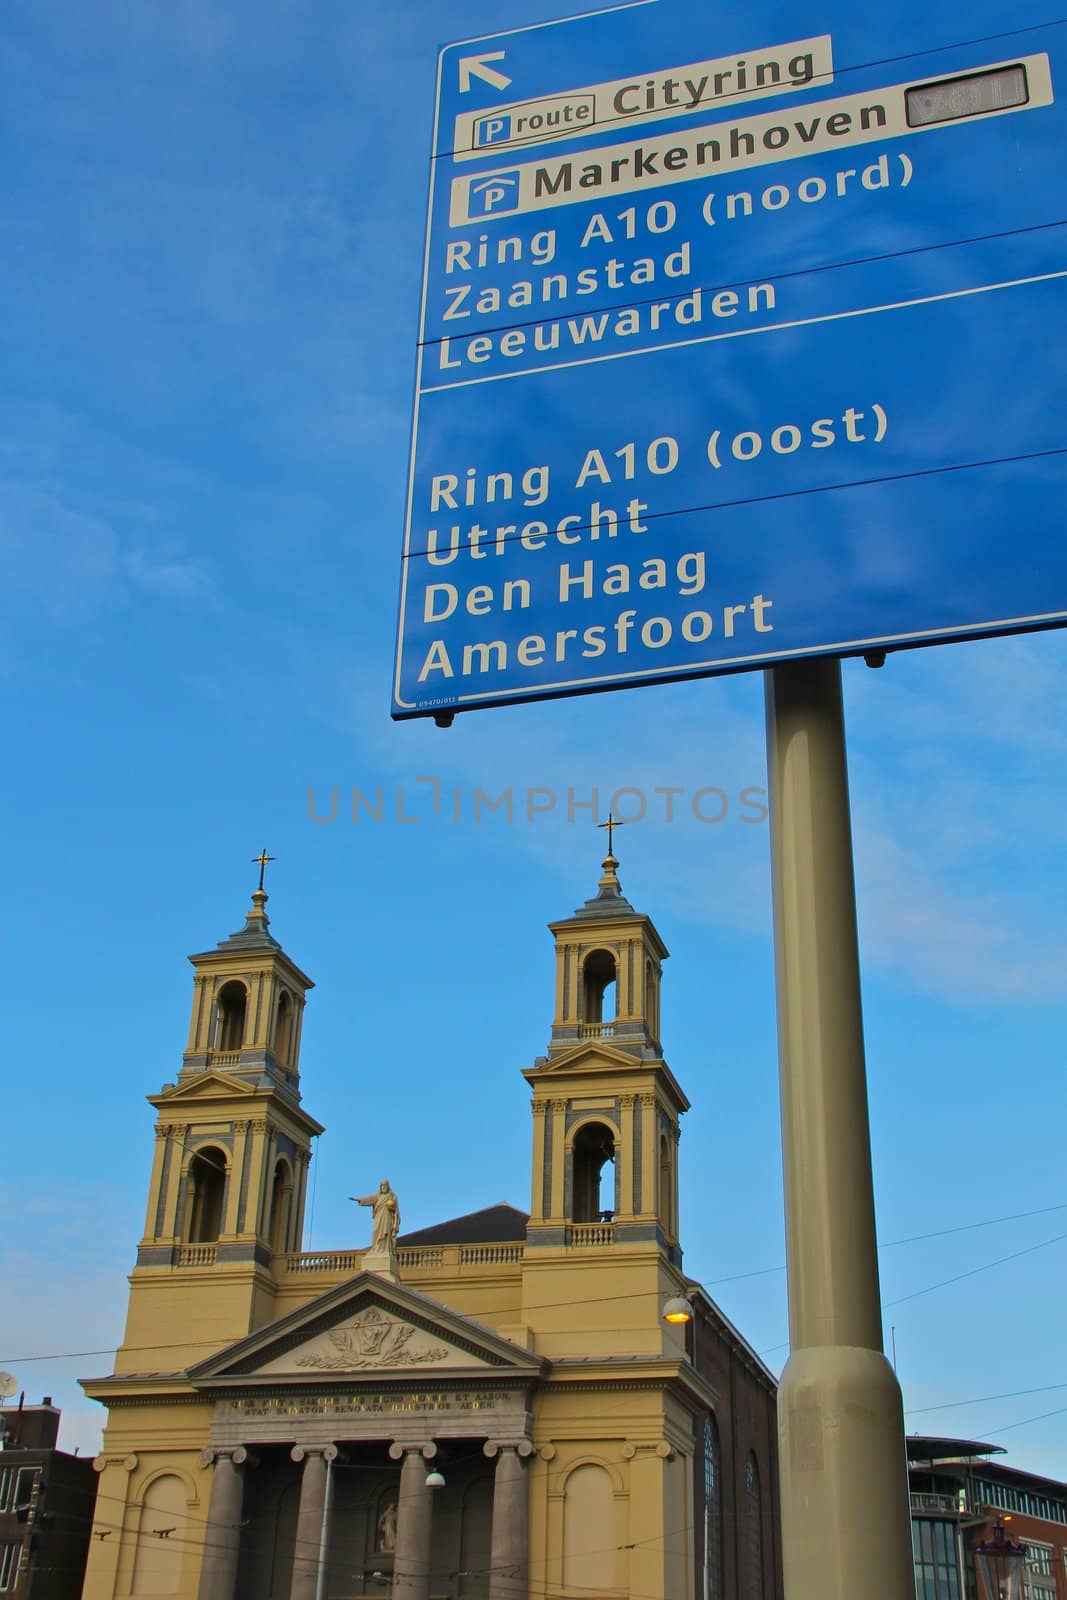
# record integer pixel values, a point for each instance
(8, 1386)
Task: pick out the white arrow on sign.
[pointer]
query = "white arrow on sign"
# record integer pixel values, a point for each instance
(476, 67)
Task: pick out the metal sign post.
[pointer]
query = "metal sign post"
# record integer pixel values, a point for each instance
(845, 1507)
(740, 347)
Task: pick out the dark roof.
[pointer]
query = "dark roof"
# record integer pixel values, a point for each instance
(931, 1447)
(254, 935)
(501, 1224)
(609, 900)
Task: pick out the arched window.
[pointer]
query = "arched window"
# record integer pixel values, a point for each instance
(230, 1009)
(753, 1531)
(598, 977)
(162, 1538)
(589, 1530)
(593, 1173)
(712, 1511)
(206, 1182)
(283, 1029)
(281, 1201)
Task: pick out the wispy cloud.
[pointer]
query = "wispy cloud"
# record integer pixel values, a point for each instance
(65, 563)
(957, 766)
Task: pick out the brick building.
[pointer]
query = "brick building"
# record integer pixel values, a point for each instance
(46, 1507)
(958, 1494)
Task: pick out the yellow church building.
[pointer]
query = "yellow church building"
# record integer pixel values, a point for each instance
(494, 1407)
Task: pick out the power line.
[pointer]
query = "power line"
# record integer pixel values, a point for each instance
(966, 1227)
(914, 1238)
(982, 1399)
(389, 1472)
(1025, 1422)
(943, 1283)
(516, 151)
(771, 277)
(973, 1271)
(543, 1305)
(825, 488)
(184, 1541)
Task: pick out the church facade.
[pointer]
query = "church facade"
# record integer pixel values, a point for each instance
(494, 1408)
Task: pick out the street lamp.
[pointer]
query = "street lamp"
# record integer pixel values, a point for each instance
(1001, 1563)
(678, 1309)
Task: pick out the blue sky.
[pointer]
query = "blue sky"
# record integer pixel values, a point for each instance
(213, 220)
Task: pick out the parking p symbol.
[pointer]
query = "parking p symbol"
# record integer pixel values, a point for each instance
(495, 193)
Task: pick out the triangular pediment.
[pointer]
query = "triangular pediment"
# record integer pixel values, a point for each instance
(210, 1085)
(591, 1056)
(369, 1326)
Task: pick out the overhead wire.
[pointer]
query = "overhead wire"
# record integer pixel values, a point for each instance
(515, 150)
(982, 1399)
(1025, 1422)
(944, 1283)
(388, 1471)
(973, 1271)
(213, 1344)
(247, 1547)
(594, 308)
(827, 488)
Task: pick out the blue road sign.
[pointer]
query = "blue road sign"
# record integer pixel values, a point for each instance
(741, 340)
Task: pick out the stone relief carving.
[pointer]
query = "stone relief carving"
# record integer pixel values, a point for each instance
(375, 1340)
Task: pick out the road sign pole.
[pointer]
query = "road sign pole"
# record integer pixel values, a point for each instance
(845, 1509)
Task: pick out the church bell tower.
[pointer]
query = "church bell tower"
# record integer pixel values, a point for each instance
(606, 1106)
(233, 1146)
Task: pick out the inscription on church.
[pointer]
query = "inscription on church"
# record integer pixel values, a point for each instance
(384, 1404)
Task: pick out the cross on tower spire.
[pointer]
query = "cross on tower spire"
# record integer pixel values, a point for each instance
(261, 861)
(611, 824)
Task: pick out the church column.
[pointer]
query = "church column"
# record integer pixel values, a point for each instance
(312, 1519)
(676, 1134)
(649, 1155)
(559, 1163)
(625, 1183)
(300, 1179)
(155, 1183)
(171, 1220)
(509, 1551)
(624, 983)
(561, 985)
(414, 1523)
(231, 1222)
(537, 1201)
(269, 1154)
(222, 1536)
(112, 1507)
(298, 1029)
(260, 1031)
(196, 1041)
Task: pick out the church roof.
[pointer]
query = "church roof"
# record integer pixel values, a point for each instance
(499, 1224)
(254, 935)
(609, 900)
